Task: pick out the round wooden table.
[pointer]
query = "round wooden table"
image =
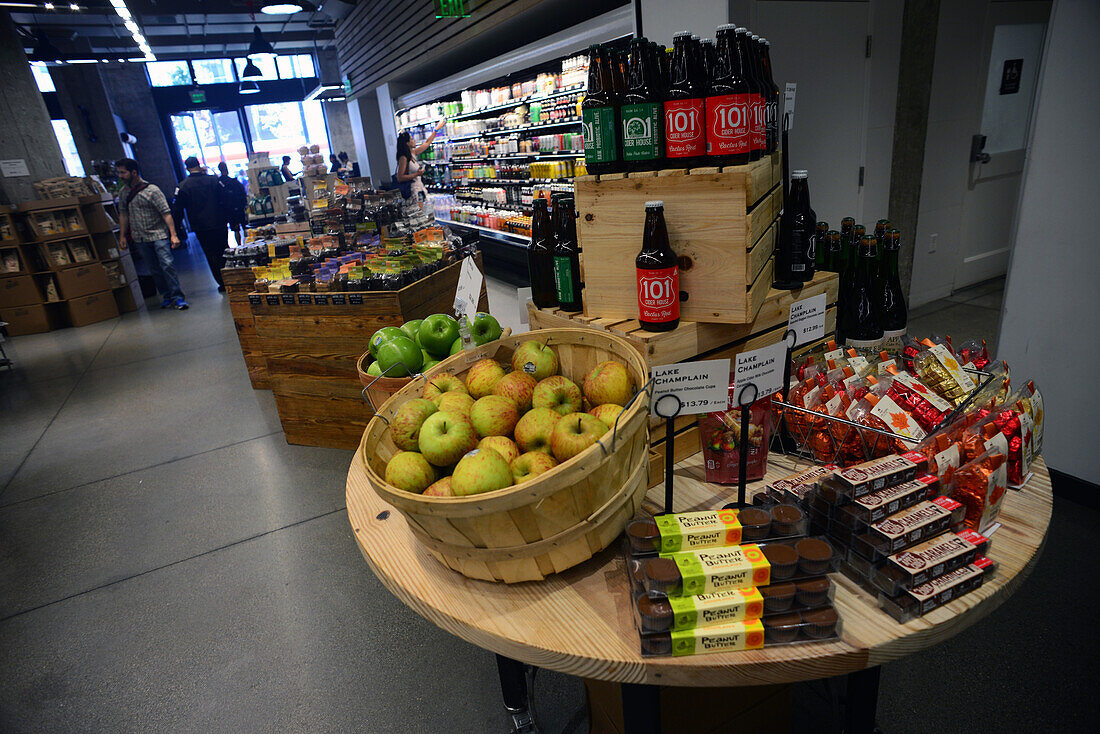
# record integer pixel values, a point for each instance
(579, 622)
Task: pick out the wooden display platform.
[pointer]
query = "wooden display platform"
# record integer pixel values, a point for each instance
(579, 622)
(239, 282)
(310, 351)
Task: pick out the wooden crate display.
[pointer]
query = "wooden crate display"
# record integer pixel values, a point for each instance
(239, 282)
(311, 351)
(692, 340)
(719, 223)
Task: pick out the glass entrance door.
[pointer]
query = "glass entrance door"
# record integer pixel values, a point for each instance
(212, 137)
(281, 128)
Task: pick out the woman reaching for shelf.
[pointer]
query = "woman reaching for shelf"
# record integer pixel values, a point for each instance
(409, 168)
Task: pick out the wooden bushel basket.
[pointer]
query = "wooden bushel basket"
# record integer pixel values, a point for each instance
(544, 525)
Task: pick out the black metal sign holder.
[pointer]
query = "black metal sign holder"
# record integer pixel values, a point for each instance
(672, 406)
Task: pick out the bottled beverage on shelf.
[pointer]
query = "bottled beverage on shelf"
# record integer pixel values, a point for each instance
(772, 93)
(862, 330)
(892, 309)
(845, 264)
(708, 56)
(567, 261)
(658, 274)
(729, 140)
(746, 52)
(832, 251)
(821, 245)
(685, 137)
(794, 255)
(640, 112)
(540, 257)
(600, 113)
(880, 240)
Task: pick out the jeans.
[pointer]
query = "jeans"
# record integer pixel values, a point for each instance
(213, 243)
(158, 255)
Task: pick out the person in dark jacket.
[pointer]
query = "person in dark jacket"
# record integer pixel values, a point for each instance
(235, 201)
(200, 197)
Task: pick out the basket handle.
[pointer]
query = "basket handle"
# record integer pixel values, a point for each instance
(647, 389)
(366, 387)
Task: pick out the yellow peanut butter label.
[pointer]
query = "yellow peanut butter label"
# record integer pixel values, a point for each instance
(721, 569)
(723, 607)
(695, 530)
(748, 635)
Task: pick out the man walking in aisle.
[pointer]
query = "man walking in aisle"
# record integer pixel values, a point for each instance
(200, 197)
(234, 201)
(145, 220)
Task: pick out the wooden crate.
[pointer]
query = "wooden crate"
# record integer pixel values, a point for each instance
(719, 223)
(239, 282)
(310, 352)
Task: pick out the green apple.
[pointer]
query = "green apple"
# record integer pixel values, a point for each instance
(409, 471)
(445, 437)
(428, 364)
(437, 333)
(441, 488)
(373, 369)
(534, 429)
(399, 357)
(407, 421)
(530, 465)
(412, 329)
(494, 415)
(503, 445)
(456, 402)
(558, 393)
(517, 386)
(536, 359)
(456, 347)
(574, 433)
(607, 413)
(382, 336)
(483, 377)
(443, 383)
(609, 382)
(484, 329)
(481, 470)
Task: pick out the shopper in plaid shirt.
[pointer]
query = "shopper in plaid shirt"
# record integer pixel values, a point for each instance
(145, 219)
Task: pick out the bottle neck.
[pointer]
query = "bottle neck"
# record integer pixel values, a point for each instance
(890, 262)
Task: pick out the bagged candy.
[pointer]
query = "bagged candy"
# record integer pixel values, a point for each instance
(720, 439)
(980, 486)
(938, 369)
(867, 411)
(974, 354)
(927, 408)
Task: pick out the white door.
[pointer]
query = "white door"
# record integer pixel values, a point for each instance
(1013, 38)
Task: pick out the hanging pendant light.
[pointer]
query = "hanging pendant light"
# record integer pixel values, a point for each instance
(259, 45)
(248, 87)
(251, 71)
(281, 8)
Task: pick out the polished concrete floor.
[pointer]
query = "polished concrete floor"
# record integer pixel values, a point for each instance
(169, 563)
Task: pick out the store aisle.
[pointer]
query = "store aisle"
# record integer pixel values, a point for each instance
(169, 563)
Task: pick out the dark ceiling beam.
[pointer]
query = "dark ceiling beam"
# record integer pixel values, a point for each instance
(213, 40)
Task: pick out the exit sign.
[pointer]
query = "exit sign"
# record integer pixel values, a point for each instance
(198, 96)
(452, 8)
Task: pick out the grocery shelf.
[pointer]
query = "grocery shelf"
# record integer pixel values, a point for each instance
(500, 107)
(508, 181)
(511, 130)
(518, 239)
(556, 154)
(520, 208)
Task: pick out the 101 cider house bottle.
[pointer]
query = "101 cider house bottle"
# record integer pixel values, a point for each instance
(658, 274)
(685, 137)
(729, 138)
(600, 113)
(641, 110)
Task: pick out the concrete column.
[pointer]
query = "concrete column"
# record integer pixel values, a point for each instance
(28, 133)
(88, 110)
(131, 98)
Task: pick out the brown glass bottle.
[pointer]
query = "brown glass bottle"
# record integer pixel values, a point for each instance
(685, 137)
(640, 112)
(893, 312)
(746, 55)
(771, 92)
(600, 114)
(862, 329)
(540, 257)
(658, 274)
(567, 262)
(729, 139)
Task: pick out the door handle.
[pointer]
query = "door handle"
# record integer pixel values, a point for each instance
(977, 154)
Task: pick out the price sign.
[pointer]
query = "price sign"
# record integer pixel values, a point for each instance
(469, 289)
(763, 368)
(788, 103)
(807, 318)
(698, 387)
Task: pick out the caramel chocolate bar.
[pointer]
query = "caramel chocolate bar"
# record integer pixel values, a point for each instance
(878, 505)
(748, 635)
(908, 527)
(795, 487)
(922, 599)
(921, 563)
(856, 481)
(690, 573)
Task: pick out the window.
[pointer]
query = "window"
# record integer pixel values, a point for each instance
(168, 73)
(42, 77)
(266, 64)
(68, 148)
(213, 71)
(299, 66)
(280, 129)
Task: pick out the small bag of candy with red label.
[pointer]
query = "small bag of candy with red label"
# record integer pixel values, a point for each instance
(720, 439)
(974, 354)
(926, 407)
(980, 485)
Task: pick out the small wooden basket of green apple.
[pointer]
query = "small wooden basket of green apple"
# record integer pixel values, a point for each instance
(519, 458)
(395, 353)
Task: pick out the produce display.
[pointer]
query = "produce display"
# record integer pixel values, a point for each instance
(421, 344)
(504, 424)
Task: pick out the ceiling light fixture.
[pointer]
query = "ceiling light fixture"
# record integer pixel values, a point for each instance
(133, 28)
(259, 45)
(251, 71)
(249, 87)
(277, 8)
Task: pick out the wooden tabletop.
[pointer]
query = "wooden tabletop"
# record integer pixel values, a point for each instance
(579, 622)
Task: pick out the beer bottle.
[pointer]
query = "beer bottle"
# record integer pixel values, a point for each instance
(619, 71)
(759, 103)
(729, 138)
(821, 245)
(742, 61)
(847, 265)
(862, 330)
(567, 261)
(892, 310)
(599, 113)
(772, 93)
(793, 257)
(709, 57)
(832, 252)
(685, 139)
(640, 113)
(658, 274)
(540, 256)
(880, 241)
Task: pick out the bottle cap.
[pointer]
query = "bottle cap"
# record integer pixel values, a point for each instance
(766, 41)
(681, 34)
(799, 174)
(708, 40)
(754, 37)
(726, 27)
(740, 29)
(695, 36)
(654, 204)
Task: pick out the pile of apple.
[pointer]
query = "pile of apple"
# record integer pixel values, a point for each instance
(423, 343)
(500, 428)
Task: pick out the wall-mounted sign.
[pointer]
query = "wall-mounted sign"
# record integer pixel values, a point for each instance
(198, 96)
(452, 8)
(1010, 76)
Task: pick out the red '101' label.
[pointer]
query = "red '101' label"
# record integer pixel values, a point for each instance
(658, 295)
(759, 119)
(684, 134)
(729, 129)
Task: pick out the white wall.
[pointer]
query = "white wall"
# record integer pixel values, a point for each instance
(661, 18)
(1050, 318)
